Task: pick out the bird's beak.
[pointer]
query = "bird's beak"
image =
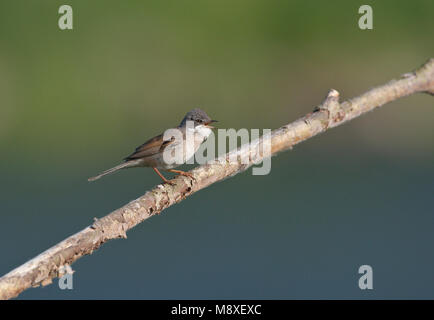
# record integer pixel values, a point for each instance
(208, 124)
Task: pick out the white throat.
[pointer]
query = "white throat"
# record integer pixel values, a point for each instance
(203, 131)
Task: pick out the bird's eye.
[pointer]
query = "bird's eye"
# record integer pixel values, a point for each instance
(199, 120)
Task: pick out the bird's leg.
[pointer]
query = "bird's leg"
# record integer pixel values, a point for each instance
(182, 173)
(162, 177)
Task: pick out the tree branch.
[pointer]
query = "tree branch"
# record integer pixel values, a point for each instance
(54, 261)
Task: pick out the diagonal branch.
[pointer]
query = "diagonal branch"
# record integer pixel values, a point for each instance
(54, 261)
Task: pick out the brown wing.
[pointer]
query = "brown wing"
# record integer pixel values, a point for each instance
(149, 148)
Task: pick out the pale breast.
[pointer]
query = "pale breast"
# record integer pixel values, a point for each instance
(175, 154)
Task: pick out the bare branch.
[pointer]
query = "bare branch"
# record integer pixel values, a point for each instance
(52, 263)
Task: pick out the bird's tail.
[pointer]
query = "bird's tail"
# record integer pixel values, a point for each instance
(114, 169)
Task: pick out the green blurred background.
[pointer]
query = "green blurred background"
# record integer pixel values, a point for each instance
(73, 103)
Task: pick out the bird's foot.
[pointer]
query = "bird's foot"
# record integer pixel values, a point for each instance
(163, 177)
(183, 173)
(169, 182)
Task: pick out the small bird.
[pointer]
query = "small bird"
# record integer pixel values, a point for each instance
(196, 124)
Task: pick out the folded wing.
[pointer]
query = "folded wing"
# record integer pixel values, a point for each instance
(149, 148)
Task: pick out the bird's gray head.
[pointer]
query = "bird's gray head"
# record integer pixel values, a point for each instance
(198, 117)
